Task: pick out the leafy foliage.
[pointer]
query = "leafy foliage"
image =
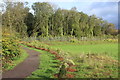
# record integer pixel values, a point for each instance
(10, 49)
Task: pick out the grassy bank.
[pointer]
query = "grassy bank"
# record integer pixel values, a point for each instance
(47, 68)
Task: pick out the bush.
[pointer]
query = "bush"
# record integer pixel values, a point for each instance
(112, 40)
(74, 40)
(10, 49)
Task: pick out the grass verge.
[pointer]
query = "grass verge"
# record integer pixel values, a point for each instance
(47, 68)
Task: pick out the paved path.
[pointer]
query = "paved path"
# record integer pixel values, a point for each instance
(25, 68)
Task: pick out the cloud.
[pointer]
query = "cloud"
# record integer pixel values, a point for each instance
(106, 10)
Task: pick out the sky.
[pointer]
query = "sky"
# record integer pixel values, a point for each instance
(105, 9)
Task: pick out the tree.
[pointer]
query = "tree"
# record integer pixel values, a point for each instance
(111, 28)
(97, 28)
(73, 24)
(58, 22)
(14, 17)
(29, 21)
(97, 31)
(83, 24)
(42, 12)
(91, 23)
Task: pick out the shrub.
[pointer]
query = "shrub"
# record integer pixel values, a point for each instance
(112, 40)
(74, 40)
(10, 49)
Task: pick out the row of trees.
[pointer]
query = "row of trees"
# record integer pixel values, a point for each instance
(47, 21)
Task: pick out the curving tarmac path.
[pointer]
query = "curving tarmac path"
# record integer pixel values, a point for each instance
(25, 68)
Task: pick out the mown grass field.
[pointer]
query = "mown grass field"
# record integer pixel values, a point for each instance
(111, 49)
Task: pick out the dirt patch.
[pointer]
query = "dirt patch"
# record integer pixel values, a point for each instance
(69, 76)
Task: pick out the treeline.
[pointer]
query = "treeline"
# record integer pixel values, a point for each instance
(49, 21)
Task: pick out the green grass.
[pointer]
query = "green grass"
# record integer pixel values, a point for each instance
(47, 68)
(101, 63)
(93, 60)
(18, 60)
(96, 66)
(111, 49)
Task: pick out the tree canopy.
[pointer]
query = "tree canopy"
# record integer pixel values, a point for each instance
(46, 21)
